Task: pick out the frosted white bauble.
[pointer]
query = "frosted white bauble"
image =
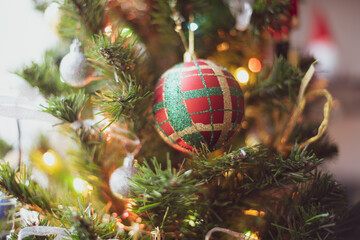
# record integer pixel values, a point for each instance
(74, 67)
(120, 178)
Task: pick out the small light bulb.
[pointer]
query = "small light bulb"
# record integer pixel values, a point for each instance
(49, 159)
(79, 185)
(242, 75)
(108, 30)
(193, 26)
(126, 32)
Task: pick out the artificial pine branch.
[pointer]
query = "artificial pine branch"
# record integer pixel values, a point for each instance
(4, 148)
(91, 13)
(120, 101)
(311, 211)
(283, 83)
(67, 108)
(267, 15)
(168, 198)
(45, 76)
(119, 51)
(17, 184)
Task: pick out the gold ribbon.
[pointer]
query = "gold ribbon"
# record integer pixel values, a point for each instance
(301, 102)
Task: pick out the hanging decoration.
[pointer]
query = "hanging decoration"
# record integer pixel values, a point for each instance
(120, 178)
(74, 67)
(197, 103)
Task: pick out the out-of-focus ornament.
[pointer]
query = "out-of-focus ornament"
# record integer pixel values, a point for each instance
(74, 67)
(322, 46)
(29, 217)
(119, 180)
(242, 11)
(52, 16)
(197, 103)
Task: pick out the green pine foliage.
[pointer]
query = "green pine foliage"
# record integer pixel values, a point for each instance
(67, 108)
(16, 183)
(167, 198)
(4, 148)
(45, 76)
(190, 194)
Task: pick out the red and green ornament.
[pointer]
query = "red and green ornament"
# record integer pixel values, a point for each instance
(196, 103)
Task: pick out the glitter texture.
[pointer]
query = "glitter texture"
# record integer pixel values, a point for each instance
(195, 103)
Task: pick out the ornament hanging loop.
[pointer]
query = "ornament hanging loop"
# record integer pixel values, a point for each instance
(189, 55)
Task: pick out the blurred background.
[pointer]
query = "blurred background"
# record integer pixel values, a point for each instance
(327, 29)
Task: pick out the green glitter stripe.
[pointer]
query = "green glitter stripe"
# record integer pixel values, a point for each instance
(195, 139)
(178, 115)
(230, 110)
(236, 92)
(158, 107)
(164, 122)
(202, 93)
(208, 97)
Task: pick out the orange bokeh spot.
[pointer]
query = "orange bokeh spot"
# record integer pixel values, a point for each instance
(254, 65)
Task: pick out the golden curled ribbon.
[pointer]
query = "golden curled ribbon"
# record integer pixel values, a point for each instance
(301, 102)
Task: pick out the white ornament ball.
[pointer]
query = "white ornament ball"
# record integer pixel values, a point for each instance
(120, 178)
(52, 16)
(74, 67)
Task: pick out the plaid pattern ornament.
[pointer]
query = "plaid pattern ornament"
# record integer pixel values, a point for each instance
(195, 103)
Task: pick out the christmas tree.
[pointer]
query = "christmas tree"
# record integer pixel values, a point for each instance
(185, 120)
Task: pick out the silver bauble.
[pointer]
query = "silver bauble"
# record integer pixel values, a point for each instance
(119, 180)
(74, 67)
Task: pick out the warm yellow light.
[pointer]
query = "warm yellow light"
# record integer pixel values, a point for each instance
(254, 65)
(254, 212)
(251, 212)
(82, 187)
(242, 75)
(222, 46)
(251, 235)
(49, 159)
(108, 30)
(79, 185)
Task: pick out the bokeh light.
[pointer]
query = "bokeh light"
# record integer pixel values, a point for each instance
(242, 75)
(49, 159)
(254, 65)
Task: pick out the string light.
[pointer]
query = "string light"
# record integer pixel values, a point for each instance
(126, 32)
(108, 30)
(252, 235)
(82, 187)
(49, 159)
(222, 46)
(193, 26)
(253, 212)
(242, 75)
(254, 65)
